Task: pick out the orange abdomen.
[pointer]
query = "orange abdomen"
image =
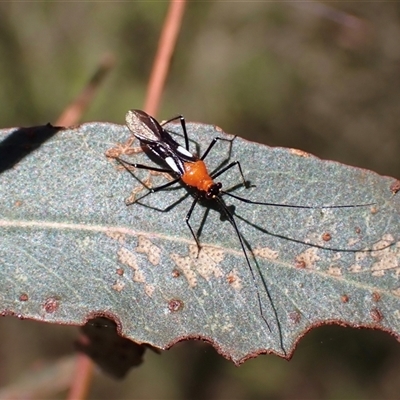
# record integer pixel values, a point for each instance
(196, 175)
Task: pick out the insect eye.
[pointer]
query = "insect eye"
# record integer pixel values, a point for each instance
(209, 195)
(214, 190)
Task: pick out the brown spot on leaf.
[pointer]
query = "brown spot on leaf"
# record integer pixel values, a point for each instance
(300, 264)
(176, 273)
(175, 305)
(120, 271)
(295, 317)
(51, 304)
(376, 315)
(374, 209)
(344, 298)
(300, 153)
(395, 186)
(326, 237)
(23, 297)
(234, 280)
(376, 296)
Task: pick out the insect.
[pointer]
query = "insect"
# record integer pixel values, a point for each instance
(192, 171)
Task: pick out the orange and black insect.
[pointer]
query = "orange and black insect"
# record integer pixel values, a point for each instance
(191, 169)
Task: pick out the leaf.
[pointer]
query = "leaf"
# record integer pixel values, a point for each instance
(71, 249)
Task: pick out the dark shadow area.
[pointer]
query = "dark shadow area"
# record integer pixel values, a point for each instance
(114, 354)
(22, 142)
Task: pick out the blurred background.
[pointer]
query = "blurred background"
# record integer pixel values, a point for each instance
(323, 77)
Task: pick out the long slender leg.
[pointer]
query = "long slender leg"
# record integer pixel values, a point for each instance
(183, 124)
(152, 190)
(164, 186)
(149, 168)
(171, 119)
(231, 165)
(141, 166)
(187, 220)
(212, 144)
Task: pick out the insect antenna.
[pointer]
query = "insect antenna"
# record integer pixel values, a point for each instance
(318, 246)
(262, 203)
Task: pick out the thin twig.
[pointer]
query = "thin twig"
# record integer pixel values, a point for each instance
(73, 113)
(83, 371)
(166, 46)
(82, 377)
(84, 366)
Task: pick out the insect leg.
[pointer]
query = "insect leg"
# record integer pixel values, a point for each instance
(141, 166)
(231, 165)
(212, 144)
(183, 124)
(187, 220)
(149, 168)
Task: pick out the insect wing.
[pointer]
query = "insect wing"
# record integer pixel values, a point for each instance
(144, 127)
(179, 151)
(175, 148)
(155, 137)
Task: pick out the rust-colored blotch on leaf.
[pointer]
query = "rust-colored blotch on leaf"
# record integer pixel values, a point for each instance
(51, 304)
(23, 297)
(376, 315)
(175, 305)
(376, 296)
(326, 237)
(344, 298)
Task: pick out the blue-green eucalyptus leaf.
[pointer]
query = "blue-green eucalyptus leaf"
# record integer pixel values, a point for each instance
(70, 248)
